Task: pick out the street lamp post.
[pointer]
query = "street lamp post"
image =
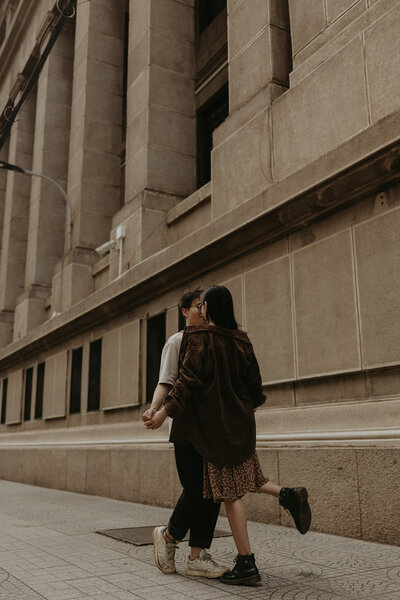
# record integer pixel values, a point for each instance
(9, 167)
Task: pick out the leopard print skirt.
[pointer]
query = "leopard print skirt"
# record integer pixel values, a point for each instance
(231, 483)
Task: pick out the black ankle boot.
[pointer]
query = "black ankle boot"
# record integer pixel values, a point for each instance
(244, 572)
(295, 501)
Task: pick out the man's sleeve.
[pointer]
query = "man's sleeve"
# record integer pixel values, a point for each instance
(191, 376)
(169, 362)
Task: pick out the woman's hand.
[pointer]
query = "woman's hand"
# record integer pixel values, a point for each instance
(157, 419)
(148, 414)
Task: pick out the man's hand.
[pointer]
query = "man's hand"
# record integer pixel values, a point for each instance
(157, 419)
(150, 412)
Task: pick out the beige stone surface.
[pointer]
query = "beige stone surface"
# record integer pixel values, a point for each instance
(110, 355)
(77, 283)
(120, 367)
(378, 476)
(381, 44)
(265, 60)
(76, 470)
(55, 386)
(340, 388)
(280, 395)
(331, 478)
(326, 307)
(172, 130)
(171, 52)
(335, 8)
(174, 17)
(321, 112)
(271, 335)
(156, 473)
(307, 20)
(16, 209)
(378, 284)
(125, 483)
(241, 165)
(14, 398)
(98, 469)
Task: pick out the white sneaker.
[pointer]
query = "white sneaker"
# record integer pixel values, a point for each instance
(204, 566)
(164, 552)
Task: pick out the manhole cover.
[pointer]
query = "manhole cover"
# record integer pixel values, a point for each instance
(141, 536)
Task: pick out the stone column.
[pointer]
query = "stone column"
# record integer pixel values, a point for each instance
(47, 218)
(161, 129)
(3, 183)
(95, 144)
(16, 218)
(259, 50)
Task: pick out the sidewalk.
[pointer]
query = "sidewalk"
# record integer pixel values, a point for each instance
(48, 549)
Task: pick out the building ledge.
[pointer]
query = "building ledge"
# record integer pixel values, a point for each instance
(189, 204)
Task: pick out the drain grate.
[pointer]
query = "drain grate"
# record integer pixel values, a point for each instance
(141, 536)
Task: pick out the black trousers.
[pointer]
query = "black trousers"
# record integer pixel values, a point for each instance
(192, 512)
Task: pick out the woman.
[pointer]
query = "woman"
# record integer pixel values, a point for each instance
(213, 403)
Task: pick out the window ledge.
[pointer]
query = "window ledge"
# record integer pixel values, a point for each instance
(190, 203)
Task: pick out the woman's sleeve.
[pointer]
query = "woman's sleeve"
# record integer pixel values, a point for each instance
(191, 374)
(255, 382)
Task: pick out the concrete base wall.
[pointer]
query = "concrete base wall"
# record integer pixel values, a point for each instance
(351, 488)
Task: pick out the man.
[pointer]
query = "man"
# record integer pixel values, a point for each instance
(192, 512)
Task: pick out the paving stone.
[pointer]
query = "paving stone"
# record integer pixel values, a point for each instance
(41, 558)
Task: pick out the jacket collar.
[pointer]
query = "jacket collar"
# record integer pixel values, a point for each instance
(233, 333)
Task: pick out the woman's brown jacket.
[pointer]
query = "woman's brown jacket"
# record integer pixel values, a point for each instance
(217, 390)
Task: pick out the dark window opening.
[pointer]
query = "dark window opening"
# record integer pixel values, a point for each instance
(4, 401)
(207, 10)
(76, 381)
(94, 375)
(2, 31)
(155, 343)
(28, 394)
(39, 391)
(209, 117)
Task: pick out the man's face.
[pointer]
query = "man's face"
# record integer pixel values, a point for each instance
(193, 315)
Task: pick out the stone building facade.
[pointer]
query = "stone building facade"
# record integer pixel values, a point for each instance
(253, 143)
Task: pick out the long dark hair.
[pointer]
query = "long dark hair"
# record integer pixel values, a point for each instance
(220, 306)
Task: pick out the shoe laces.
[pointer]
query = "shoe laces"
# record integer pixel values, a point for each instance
(205, 557)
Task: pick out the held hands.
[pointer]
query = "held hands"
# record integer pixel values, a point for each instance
(148, 414)
(156, 419)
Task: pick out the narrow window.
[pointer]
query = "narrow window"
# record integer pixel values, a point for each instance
(76, 380)
(28, 393)
(39, 391)
(4, 401)
(208, 10)
(155, 343)
(2, 31)
(209, 117)
(211, 79)
(94, 375)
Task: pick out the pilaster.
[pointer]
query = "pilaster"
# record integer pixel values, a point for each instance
(47, 217)
(161, 124)
(16, 216)
(259, 50)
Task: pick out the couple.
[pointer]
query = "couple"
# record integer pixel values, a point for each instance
(210, 385)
